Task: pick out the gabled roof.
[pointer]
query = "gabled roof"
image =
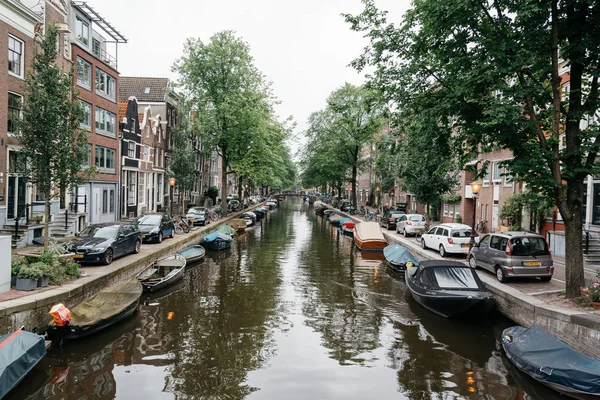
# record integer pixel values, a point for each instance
(144, 89)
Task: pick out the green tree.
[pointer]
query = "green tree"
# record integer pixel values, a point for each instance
(182, 163)
(495, 71)
(53, 145)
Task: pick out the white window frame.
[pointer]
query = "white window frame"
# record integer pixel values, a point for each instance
(456, 210)
(84, 85)
(486, 177)
(141, 188)
(21, 57)
(104, 168)
(105, 117)
(80, 38)
(106, 92)
(85, 106)
(451, 210)
(146, 153)
(496, 172)
(131, 188)
(87, 163)
(131, 145)
(10, 134)
(94, 41)
(445, 209)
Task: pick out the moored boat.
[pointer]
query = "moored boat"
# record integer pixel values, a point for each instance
(449, 288)
(260, 213)
(334, 220)
(368, 237)
(163, 272)
(226, 230)
(217, 241)
(107, 307)
(20, 352)
(348, 228)
(192, 254)
(238, 224)
(552, 362)
(398, 256)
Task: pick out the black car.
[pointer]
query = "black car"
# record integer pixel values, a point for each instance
(102, 243)
(155, 226)
(234, 205)
(390, 218)
(197, 216)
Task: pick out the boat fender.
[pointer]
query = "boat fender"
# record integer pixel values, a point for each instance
(61, 314)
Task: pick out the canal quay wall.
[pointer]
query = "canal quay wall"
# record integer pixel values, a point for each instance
(580, 330)
(31, 311)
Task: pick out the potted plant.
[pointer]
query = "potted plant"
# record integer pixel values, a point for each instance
(28, 276)
(593, 292)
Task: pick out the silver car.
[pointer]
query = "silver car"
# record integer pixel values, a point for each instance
(197, 216)
(513, 254)
(410, 224)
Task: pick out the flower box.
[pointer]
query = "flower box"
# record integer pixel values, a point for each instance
(26, 284)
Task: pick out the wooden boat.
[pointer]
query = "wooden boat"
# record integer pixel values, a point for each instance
(347, 227)
(164, 272)
(217, 241)
(226, 230)
(398, 256)
(449, 288)
(552, 362)
(192, 254)
(107, 307)
(238, 224)
(20, 352)
(368, 237)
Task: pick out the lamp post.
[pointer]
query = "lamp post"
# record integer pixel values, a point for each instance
(475, 190)
(172, 182)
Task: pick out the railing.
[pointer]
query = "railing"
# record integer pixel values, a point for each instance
(75, 203)
(22, 212)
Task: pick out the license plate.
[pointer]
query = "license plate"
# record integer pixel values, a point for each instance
(419, 230)
(78, 256)
(531, 263)
(192, 220)
(464, 245)
(143, 236)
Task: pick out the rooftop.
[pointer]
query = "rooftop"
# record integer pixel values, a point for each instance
(144, 89)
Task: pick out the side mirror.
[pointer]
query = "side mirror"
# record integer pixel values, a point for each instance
(121, 235)
(77, 234)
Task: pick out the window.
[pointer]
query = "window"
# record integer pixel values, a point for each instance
(111, 201)
(486, 177)
(105, 84)
(84, 73)
(445, 210)
(105, 122)
(456, 209)
(96, 47)
(15, 56)
(451, 209)
(508, 178)
(82, 30)
(146, 153)
(105, 201)
(141, 187)
(88, 161)
(147, 90)
(496, 177)
(131, 194)
(86, 117)
(15, 104)
(105, 159)
(156, 156)
(131, 149)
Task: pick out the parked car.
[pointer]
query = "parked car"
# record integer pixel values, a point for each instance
(448, 238)
(343, 203)
(389, 219)
(513, 254)
(102, 243)
(155, 226)
(410, 224)
(234, 205)
(197, 216)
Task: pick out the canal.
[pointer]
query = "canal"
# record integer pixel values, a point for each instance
(291, 311)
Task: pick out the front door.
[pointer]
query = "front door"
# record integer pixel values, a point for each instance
(15, 197)
(495, 218)
(97, 204)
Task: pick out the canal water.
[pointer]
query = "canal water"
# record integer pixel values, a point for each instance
(291, 311)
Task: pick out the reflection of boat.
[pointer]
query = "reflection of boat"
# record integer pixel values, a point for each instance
(370, 255)
(217, 241)
(20, 352)
(449, 288)
(239, 224)
(397, 256)
(368, 237)
(166, 292)
(552, 362)
(218, 256)
(164, 272)
(107, 307)
(192, 254)
(522, 381)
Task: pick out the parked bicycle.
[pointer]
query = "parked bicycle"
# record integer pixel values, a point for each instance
(215, 213)
(480, 225)
(181, 225)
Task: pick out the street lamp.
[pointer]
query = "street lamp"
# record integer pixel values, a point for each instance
(475, 190)
(172, 182)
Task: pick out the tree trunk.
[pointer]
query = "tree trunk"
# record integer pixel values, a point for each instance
(354, 173)
(224, 186)
(573, 220)
(240, 188)
(46, 219)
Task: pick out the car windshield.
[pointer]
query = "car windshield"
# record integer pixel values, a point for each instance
(149, 220)
(529, 246)
(197, 211)
(396, 215)
(461, 233)
(417, 218)
(105, 232)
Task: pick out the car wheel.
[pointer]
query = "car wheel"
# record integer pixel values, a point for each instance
(546, 278)
(442, 251)
(108, 257)
(138, 246)
(472, 262)
(172, 233)
(404, 233)
(160, 237)
(500, 275)
(423, 245)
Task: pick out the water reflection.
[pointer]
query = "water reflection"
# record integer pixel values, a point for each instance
(292, 310)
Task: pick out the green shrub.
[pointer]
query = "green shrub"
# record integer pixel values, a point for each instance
(16, 264)
(458, 219)
(32, 271)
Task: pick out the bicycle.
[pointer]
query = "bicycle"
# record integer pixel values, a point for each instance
(180, 226)
(480, 225)
(214, 213)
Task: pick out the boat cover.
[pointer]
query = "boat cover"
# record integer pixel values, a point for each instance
(345, 219)
(226, 229)
(192, 252)
(369, 232)
(237, 223)
(547, 359)
(397, 254)
(216, 235)
(106, 303)
(349, 224)
(335, 219)
(20, 351)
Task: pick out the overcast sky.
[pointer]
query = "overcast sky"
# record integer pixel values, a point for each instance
(303, 47)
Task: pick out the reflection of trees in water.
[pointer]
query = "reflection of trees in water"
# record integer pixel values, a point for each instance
(229, 317)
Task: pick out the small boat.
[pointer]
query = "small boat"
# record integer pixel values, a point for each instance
(448, 288)
(272, 204)
(335, 220)
(217, 241)
(163, 272)
(107, 307)
(226, 230)
(260, 214)
(552, 362)
(368, 237)
(329, 212)
(398, 256)
(238, 224)
(21, 351)
(192, 254)
(347, 227)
